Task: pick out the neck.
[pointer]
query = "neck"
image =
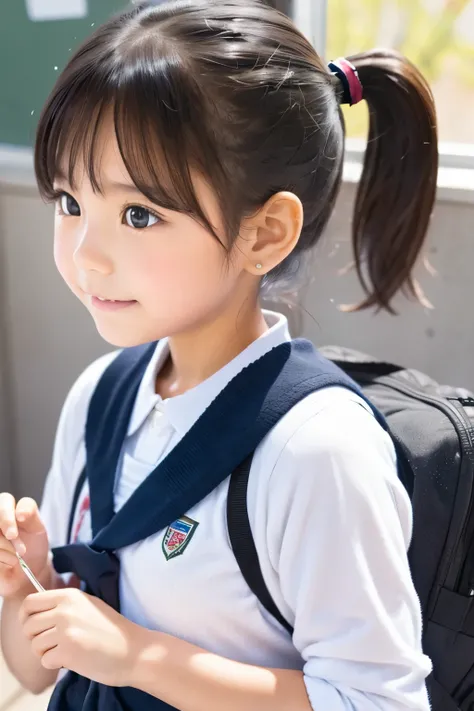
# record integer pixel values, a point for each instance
(198, 354)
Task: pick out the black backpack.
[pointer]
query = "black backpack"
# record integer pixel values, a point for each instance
(433, 430)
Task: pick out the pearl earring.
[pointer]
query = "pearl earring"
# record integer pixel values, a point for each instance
(258, 266)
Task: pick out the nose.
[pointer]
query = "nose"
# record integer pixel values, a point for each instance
(90, 254)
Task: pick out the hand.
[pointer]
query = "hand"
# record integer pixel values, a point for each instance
(22, 531)
(79, 632)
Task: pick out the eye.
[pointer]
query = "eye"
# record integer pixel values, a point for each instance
(140, 217)
(68, 205)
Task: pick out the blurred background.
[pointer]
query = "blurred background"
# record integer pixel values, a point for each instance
(46, 338)
(437, 35)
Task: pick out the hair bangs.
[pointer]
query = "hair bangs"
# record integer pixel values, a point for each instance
(156, 143)
(155, 116)
(67, 135)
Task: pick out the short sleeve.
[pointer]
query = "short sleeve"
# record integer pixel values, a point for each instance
(69, 452)
(339, 525)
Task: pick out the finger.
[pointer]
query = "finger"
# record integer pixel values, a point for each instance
(8, 558)
(8, 524)
(7, 516)
(6, 545)
(50, 659)
(27, 514)
(40, 622)
(38, 602)
(19, 546)
(43, 642)
(16, 545)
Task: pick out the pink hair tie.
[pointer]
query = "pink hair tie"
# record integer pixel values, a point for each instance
(349, 78)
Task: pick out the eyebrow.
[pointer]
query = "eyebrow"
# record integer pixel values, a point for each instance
(115, 186)
(108, 185)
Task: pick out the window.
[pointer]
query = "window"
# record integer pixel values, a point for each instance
(437, 35)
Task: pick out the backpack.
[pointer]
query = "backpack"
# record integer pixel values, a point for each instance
(433, 431)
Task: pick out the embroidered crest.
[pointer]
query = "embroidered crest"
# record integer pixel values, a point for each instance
(177, 536)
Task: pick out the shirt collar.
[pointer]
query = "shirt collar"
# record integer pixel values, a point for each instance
(183, 410)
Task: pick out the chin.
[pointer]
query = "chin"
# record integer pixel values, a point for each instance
(124, 338)
(134, 331)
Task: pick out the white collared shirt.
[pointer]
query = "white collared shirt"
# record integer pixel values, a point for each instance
(331, 524)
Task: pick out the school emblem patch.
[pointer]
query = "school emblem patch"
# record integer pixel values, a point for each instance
(177, 536)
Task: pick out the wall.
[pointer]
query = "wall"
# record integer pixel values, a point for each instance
(46, 338)
(37, 52)
(438, 340)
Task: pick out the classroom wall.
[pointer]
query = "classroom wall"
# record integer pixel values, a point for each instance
(437, 340)
(32, 55)
(46, 338)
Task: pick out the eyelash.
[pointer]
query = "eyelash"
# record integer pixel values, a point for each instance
(58, 194)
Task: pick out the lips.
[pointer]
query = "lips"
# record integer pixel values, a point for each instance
(99, 302)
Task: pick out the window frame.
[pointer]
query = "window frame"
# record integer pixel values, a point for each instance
(456, 165)
(311, 17)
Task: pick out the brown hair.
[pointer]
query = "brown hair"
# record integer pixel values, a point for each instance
(230, 87)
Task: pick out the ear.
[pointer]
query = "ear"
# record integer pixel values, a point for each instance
(275, 231)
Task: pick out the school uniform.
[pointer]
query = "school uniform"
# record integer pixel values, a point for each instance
(329, 516)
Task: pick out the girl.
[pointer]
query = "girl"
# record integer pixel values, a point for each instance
(194, 151)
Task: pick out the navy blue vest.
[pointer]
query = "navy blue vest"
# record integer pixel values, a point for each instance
(225, 434)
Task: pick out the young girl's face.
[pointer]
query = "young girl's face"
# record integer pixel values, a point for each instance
(143, 272)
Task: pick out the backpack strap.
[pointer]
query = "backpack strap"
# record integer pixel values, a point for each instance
(242, 543)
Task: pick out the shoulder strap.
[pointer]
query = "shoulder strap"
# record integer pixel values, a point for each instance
(242, 543)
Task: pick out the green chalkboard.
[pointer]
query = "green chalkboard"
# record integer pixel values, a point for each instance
(31, 55)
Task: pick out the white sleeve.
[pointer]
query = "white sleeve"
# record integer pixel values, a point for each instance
(69, 452)
(343, 524)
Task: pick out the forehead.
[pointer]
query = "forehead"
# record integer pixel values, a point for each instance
(108, 165)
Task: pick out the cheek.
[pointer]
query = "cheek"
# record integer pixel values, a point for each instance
(63, 254)
(64, 257)
(192, 278)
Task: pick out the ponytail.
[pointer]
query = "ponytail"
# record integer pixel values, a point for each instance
(398, 185)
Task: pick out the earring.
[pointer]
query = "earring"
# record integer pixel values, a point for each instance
(258, 266)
